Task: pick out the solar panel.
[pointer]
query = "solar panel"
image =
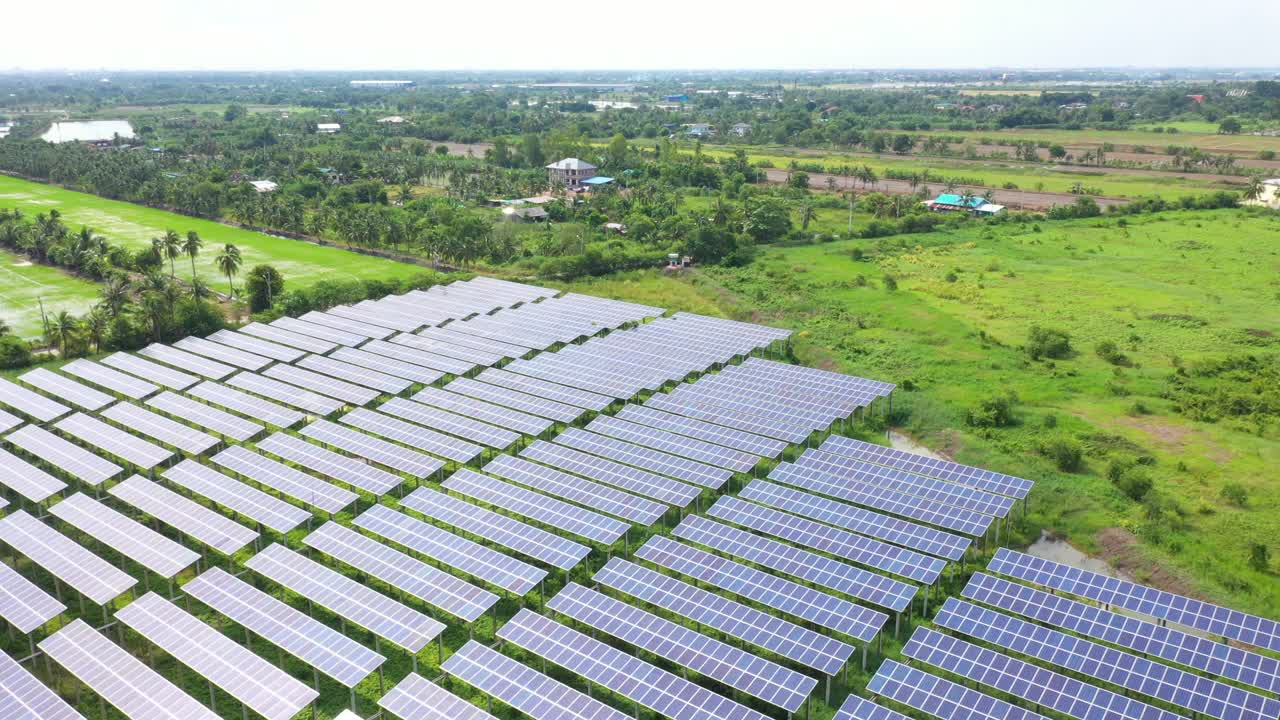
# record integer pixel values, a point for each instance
(546, 510)
(525, 539)
(581, 491)
(420, 699)
(236, 496)
(914, 507)
(1033, 683)
(379, 315)
(415, 436)
(319, 332)
(288, 337)
(170, 432)
(634, 679)
(289, 629)
(210, 418)
(372, 448)
(24, 606)
(118, 677)
(459, 352)
(186, 516)
(23, 697)
(941, 698)
(106, 377)
(941, 491)
(355, 374)
(30, 403)
(492, 414)
(850, 517)
(844, 545)
(410, 575)
(257, 346)
(646, 458)
(345, 469)
(64, 455)
(252, 681)
(346, 597)
(1140, 675)
(497, 347)
(514, 576)
(1129, 632)
(285, 393)
(571, 374)
(445, 421)
(523, 402)
(705, 452)
(790, 597)
(523, 688)
(390, 366)
(641, 482)
(26, 479)
(88, 574)
(346, 325)
(808, 566)
(128, 447)
(8, 422)
(283, 479)
(720, 661)
(202, 366)
(544, 389)
(66, 389)
(995, 482)
(245, 404)
(155, 372)
(342, 390)
(856, 708)
(706, 431)
(450, 365)
(128, 537)
(729, 418)
(1166, 606)
(223, 353)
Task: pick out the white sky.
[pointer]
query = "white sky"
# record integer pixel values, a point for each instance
(646, 34)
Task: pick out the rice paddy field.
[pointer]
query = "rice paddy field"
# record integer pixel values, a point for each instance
(23, 286)
(1207, 139)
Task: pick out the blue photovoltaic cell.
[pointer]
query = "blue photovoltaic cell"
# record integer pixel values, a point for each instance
(729, 418)
(454, 424)
(419, 699)
(23, 697)
(236, 496)
(287, 337)
(415, 436)
(521, 687)
(386, 365)
(546, 510)
(579, 490)
(1014, 487)
(549, 390)
(941, 491)
(353, 472)
(629, 676)
(814, 568)
(851, 517)
(1140, 675)
(842, 544)
(150, 371)
(247, 405)
(641, 482)
(372, 448)
(286, 480)
(706, 431)
(941, 698)
(709, 453)
(856, 708)
(1030, 682)
(1215, 620)
(66, 389)
(481, 410)
(734, 619)
(1126, 631)
(31, 403)
(516, 400)
(645, 458)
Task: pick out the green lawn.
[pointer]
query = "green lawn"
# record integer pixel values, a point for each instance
(134, 225)
(23, 286)
(1210, 142)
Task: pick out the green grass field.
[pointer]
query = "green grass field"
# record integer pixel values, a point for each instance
(1210, 142)
(1170, 290)
(23, 286)
(134, 225)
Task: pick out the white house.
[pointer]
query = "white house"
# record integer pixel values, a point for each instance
(740, 129)
(570, 171)
(264, 186)
(328, 128)
(393, 120)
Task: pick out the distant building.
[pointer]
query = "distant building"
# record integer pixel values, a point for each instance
(740, 129)
(393, 120)
(570, 172)
(328, 128)
(974, 205)
(945, 106)
(676, 98)
(594, 183)
(1238, 92)
(525, 214)
(1074, 106)
(382, 84)
(699, 130)
(264, 186)
(1197, 98)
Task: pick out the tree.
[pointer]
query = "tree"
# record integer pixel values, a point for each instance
(616, 152)
(264, 284)
(806, 216)
(228, 262)
(64, 328)
(1230, 126)
(1255, 189)
(903, 144)
(192, 248)
(798, 180)
(1259, 557)
(766, 219)
(172, 248)
(531, 151)
(114, 294)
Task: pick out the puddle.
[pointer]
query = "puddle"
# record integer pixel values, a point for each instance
(1058, 550)
(898, 441)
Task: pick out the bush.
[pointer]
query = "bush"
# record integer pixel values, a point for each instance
(1109, 351)
(995, 411)
(952, 277)
(1259, 557)
(14, 352)
(1134, 482)
(1066, 454)
(1236, 494)
(889, 283)
(1047, 342)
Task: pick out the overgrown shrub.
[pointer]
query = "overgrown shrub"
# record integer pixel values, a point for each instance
(995, 411)
(1236, 494)
(1065, 452)
(1133, 481)
(1109, 351)
(14, 352)
(1047, 342)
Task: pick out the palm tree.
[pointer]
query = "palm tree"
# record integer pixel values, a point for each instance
(1255, 189)
(806, 216)
(64, 327)
(172, 248)
(192, 248)
(4, 328)
(96, 324)
(115, 293)
(228, 262)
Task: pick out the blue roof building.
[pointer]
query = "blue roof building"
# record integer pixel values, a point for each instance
(974, 204)
(597, 181)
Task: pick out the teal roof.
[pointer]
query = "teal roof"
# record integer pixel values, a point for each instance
(597, 180)
(953, 199)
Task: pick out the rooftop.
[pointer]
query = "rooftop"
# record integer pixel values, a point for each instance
(571, 164)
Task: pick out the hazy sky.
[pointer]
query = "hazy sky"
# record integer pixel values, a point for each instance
(658, 34)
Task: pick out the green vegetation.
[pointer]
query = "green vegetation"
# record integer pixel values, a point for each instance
(26, 285)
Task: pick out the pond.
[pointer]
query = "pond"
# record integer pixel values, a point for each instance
(87, 130)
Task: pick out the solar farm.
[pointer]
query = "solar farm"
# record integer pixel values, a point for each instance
(494, 500)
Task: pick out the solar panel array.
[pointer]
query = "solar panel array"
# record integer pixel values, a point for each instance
(857, 708)
(23, 697)
(282, 392)
(246, 404)
(941, 698)
(1203, 616)
(285, 479)
(360, 475)
(545, 510)
(520, 401)
(415, 436)
(689, 471)
(184, 515)
(318, 332)
(1014, 487)
(222, 353)
(630, 677)
(127, 447)
(548, 390)
(180, 359)
(111, 379)
(162, 375)
(258, 345)
(439, 347)
(126, 536)
(347, 325)
(754, 424)
(579, 490)
(387, 366)
(702, 430)
(673, 444)
(64, 455)
(8, 421)
(66, 389)
(237, 497)
(26, 479)
(90, 575)
(30, 403)
(447, 422)
(373, 449)
(24, 605)
(206, 416)
(282, 336)
(355, 374)
(417, 698)
(173, 433)
(640, 482)
(502, 417)
(414, 356)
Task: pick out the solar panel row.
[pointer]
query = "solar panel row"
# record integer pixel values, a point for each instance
(579, 490)
(373, 449)
(184, 515)
(111, 379)
(540, 508)
(525, 689)
(206, 416)
(153, 372)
